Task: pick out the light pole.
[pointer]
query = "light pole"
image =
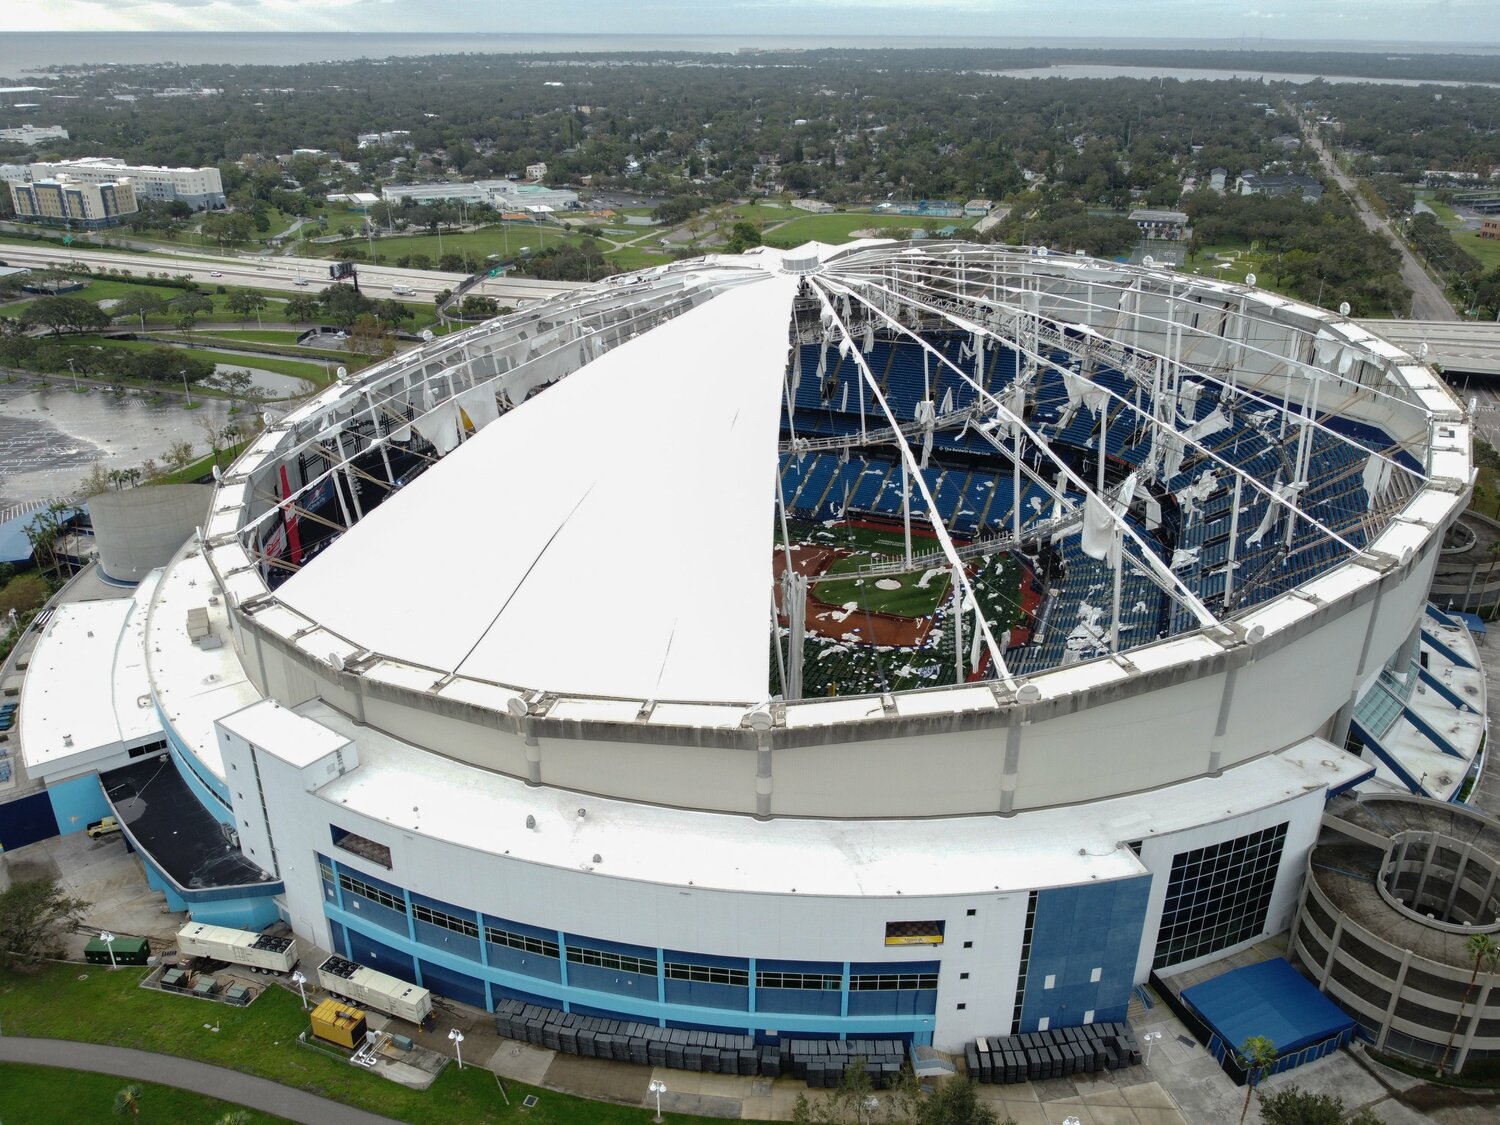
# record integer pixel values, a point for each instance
(1071, 1121)
(1150, 1038)
(657, 1087)
(457, 1038)
(109, 940)
(185, 388)
(299, 978)
(74, 370)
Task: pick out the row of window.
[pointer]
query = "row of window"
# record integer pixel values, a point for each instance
(708, 974)
(892, 982)
(524, 942)
(374, 894)
(620, 962)
(466, 926)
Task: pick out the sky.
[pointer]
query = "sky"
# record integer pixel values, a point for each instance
(1386, 21)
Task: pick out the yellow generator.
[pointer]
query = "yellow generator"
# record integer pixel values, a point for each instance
(338, 1023)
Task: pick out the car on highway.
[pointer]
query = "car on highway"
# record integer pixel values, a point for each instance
(300, 281)
(216, 273)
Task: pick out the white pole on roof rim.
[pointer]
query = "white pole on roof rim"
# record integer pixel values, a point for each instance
(1117, 556)
(1234, 535)
(906, 508)
(958, 627)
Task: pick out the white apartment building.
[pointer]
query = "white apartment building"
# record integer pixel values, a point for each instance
(26, 134)
(200, 188)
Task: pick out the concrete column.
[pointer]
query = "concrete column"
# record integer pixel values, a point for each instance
(1458, 878)
(1421, 887)
(1473, 1028)
(1408, 651)
(1226, 704)
(1333, 949)
(1390, 1008)
(533, 754)
(1012, 764)
(764, 783)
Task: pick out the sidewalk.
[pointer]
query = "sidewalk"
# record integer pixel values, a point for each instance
(184, 1074)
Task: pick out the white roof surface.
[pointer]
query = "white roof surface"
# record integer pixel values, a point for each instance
(676, 428)
(85, 690)
(416, 791)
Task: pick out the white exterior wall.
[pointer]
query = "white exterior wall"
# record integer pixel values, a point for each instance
(1303, 815)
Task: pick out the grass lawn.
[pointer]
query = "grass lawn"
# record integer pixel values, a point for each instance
(908, 599)
(637, 257)
(481, 243)
(103, 1006)
(300, 370)
(840, 227)
(45, 1094)
(200, 468)
(1487, 250)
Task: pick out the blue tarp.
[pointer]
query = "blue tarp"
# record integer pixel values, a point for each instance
(1270, 999)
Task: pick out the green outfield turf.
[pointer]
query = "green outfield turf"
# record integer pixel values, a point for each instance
(901, 595)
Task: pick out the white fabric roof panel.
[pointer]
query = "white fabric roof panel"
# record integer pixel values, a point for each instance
(549, 580)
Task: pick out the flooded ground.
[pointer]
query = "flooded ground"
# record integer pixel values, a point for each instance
(51, 437)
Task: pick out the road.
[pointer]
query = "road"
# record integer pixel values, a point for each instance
(1428, 299)
(1463, 347)
(289, 274)
(184, 1074)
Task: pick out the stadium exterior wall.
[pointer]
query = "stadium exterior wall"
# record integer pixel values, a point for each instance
(1164, 723)
(1091, 967)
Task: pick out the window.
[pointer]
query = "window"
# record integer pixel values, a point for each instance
(466, 926)
(963, 976)
(1218, 896)
(325, 869)
(971, 912)
(356, 844)
(524, 942)
(708, 974)
(620, 962)
(968, 945)
(892, 982)
(1025, 963)
(815, 982)
(374, 894)
(914, 933)
(961, 1007)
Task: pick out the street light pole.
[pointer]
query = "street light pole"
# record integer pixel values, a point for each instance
(109, 940)
(185, 388)
(457, 1037)
(299, 979)
(1150, 1037)
(74, 370)
(657, 1087)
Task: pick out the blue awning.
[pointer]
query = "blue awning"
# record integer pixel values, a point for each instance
(1270, 999)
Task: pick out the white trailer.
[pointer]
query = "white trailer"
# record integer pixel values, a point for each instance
(259, 952)
(372, 989)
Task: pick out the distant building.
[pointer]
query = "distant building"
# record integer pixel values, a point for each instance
(358, 200)
(1217, 179)
(28, 134)
(1169, 225)
(1257, 183)
(66, 201)
(816, 206)
(200, 188)
(536, 173)
(503, 195)
(391, 138)
(1489, 227)
(977, 207)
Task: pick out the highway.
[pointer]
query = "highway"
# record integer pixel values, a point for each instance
(289, 274)
(1429, 302)
(1460, 347)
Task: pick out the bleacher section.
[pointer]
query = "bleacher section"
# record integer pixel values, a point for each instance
(825, 478)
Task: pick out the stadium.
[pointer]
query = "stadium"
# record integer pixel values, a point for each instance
(902, 639)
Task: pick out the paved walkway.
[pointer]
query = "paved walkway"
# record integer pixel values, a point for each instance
(166, 1070)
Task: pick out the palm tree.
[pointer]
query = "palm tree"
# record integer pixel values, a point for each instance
(128, 1101)
(1486, 953)
(1256, 1054)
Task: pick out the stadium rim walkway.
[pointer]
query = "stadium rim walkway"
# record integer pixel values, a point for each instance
(200, 1078)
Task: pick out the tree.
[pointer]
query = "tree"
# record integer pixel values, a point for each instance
(34, 914)
(128, 1101)
(138, 302)
(1255, 1055)
(64, 314)
(179, 454)
(24, 593)
(743, 236)
(1293, 1106)
(300, 309)
(1485, 953)
(246, 303)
